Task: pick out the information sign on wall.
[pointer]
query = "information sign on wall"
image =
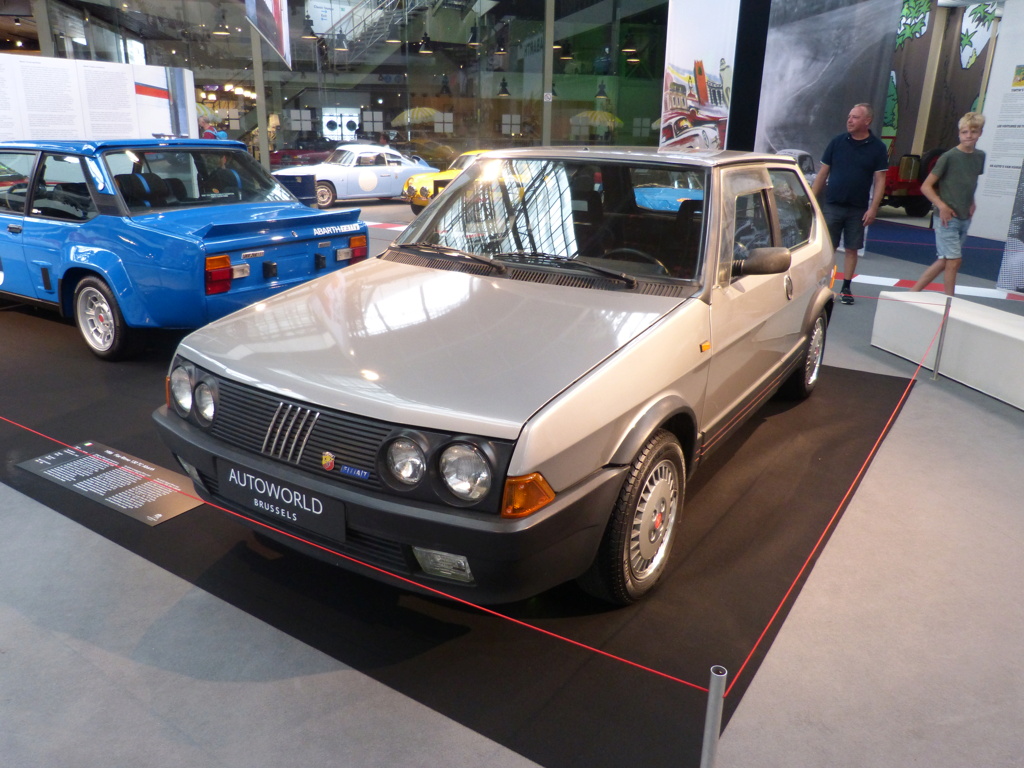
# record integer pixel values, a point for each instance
(44, 98)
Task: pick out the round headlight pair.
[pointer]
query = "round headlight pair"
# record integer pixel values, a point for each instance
(464, 469)
(190, 397)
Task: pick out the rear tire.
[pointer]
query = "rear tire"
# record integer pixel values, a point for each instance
(637, 543)
(802, 381)
(917, 206)
(100, 321)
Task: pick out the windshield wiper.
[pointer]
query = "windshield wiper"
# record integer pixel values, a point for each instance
(501, 269)
(561, 261)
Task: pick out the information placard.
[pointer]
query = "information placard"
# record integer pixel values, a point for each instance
(117, 480)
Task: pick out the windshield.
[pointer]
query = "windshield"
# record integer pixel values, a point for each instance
(639, 221)
(462, 162)
(340, 157)
(190, 178)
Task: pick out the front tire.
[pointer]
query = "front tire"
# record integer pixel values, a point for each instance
(802, 381)
(635, 549)
(100, 321)
(416, 209)
(325, 194)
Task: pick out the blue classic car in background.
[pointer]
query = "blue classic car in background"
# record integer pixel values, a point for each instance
(128, 235)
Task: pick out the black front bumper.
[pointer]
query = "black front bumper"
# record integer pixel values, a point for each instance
(510, 559)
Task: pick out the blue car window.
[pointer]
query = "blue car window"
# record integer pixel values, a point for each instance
(62, 191)
(158, 179)
(15, 170)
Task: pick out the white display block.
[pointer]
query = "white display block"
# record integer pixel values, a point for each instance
(982, 348)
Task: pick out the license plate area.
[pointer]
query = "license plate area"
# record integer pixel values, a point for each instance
(282, 503)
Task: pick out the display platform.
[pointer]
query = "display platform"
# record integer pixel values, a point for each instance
(753, 519)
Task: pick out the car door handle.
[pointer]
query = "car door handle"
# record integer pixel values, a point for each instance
(14, 229)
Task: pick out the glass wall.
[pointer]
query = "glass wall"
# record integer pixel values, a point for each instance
(430, 77)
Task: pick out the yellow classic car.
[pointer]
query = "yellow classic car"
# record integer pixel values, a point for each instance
(423, 187)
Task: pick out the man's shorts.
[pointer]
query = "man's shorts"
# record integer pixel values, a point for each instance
(846, 222)
(949, 239)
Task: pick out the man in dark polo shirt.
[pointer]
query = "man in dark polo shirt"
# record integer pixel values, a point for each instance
(852, 175)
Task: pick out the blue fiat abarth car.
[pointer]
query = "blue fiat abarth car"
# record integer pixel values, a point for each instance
(128, 235)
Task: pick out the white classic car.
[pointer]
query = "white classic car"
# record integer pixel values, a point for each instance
(358, 171)
(514, 393)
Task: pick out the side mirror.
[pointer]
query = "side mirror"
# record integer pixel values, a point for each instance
(763, 261)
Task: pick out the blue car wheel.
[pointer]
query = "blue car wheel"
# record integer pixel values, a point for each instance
(99, 320)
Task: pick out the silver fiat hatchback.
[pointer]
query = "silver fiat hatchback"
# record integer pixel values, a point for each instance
(513, 394)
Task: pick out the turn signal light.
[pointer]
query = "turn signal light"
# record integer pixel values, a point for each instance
(360, 248)
(525, 495)
(218, 274)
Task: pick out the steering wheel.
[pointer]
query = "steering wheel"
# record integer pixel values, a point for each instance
(634, 254)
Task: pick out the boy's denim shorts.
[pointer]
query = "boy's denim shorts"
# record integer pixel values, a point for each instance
(949, 238)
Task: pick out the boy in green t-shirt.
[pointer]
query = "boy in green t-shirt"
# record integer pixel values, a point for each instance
(950, 186)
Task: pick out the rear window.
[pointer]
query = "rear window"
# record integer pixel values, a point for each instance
(168, 178)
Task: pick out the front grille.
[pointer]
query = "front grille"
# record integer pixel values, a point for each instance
(291, 432)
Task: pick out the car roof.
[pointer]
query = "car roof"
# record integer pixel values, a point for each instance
(361, 147)
(701, 157)
(82, 147)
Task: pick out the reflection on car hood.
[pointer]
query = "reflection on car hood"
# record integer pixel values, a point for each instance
(249, 218)
(424, 347)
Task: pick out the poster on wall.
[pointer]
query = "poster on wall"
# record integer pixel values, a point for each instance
(44, 98)
(821, 58)
(999, 192)
(699, 56)
(270, 19)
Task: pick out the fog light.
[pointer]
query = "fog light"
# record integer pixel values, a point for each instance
(455, 567)
(192, 472)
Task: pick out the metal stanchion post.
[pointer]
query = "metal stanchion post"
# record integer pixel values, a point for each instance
(713, 719)
(942, 338)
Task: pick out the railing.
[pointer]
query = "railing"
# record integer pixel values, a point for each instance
(367, 24)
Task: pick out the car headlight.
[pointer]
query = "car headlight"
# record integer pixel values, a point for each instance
(181, 390)
(205, 402)
(425, 191)
(406, 461)
(466, 471)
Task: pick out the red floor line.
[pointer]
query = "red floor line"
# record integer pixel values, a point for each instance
(835, 515)
(383, 571)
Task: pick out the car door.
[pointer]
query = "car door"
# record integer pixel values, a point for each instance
(369, 175)
(61, 203)
(16, 170)
(749, 320)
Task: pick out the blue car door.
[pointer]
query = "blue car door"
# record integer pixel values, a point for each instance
(15, 172)
(61, 202)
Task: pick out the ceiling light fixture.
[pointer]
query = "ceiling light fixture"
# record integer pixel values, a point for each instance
(307, 29)
(222, 28)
